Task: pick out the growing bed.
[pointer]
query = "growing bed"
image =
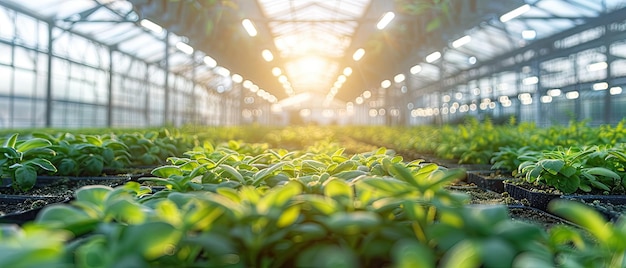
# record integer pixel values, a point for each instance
(295, 197)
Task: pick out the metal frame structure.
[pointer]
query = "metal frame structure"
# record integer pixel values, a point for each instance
(57, 76)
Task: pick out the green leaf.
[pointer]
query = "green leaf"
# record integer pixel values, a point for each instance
(465, 254)
(600, 171)
(352, 223)
(263, 174)
(93, 194)
(167, 171)
(151, 240)
(92, 165)
(288, 216)
(568, 171)
(41, 163)
(410, 253)
(66, 217)
(38, 152)
(25, 177)
(234, 173)
(11, 141)
(552, 166)
(338, 190)
(584, 216)
(32, 144)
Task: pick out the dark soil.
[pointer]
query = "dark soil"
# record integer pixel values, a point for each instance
(58, 190)
(482, 196)
(12, 204)
(536, 216)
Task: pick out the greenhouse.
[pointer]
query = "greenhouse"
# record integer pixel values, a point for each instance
(312, 133)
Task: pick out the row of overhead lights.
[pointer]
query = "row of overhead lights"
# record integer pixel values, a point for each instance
(212, 63)
(505, 101)
(358, 54)
(464, 40)
(268, 56)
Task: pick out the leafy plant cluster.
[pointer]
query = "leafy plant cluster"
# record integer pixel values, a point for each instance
(67, 154)
(245, 205)
(583, 169)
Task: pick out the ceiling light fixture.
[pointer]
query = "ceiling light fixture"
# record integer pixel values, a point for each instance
(267, 55)
(461, 41)
(358, 54)
(151, 26)
(249, 27)
(385, 20)
(210, 62)
(185, 48)
(416, 69)
(276, 71)
(432, 57)
(347, 71)
(237, 78)
(515, 13)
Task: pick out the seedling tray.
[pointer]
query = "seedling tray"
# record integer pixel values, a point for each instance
(483, 179)
(536, 199)
(27, 214)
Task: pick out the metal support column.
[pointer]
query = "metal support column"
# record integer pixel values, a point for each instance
(49, 76)
(607, 93)
(166, 87)
(110, 90)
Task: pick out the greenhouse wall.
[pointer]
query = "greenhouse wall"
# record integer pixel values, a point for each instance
(94, 85)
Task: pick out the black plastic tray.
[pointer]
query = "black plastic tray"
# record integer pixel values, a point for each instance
(483, 179)
(537, 199)
(21, 217)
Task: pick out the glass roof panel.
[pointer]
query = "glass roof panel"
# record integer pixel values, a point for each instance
(312, 34)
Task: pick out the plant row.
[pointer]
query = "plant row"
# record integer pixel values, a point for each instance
(241, 204)
(67, 154)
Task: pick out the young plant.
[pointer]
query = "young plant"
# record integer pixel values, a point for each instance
(23, 160)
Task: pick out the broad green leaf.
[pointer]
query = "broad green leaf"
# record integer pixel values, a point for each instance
(93, 194)
(10, 142)
(278, 198)
(410, 253)
(350, 174)
(552, 166)
(93, 165)
(352, 223)
(234, 173)
(322, 204)
(465, 254)
(338, 190)
(66, 217)
(9, 152)
(166, 171)
(25, 177)
(151, 240)
(600, 171)
(496, 252)
(38, 152)
(126, 211)
(263, 174)
(348, 165)
(288, 216)
(42, 164)
(568, 171)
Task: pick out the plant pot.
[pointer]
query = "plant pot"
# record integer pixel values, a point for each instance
(536, 198)
(610, 206)
(488, 179)
(19, 209)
